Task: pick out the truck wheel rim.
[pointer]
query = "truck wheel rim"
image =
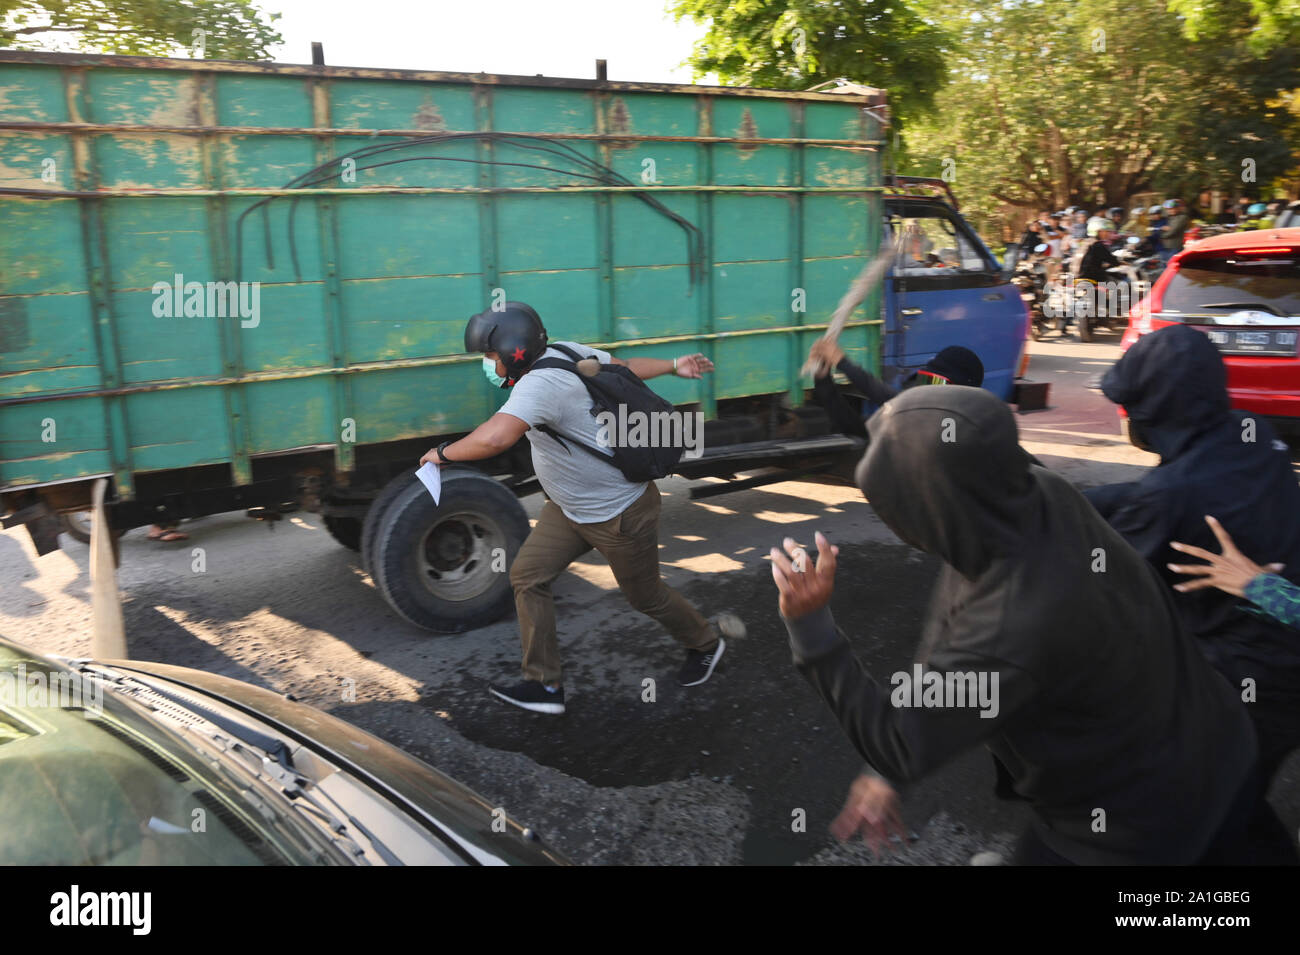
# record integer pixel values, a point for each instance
(457, 554)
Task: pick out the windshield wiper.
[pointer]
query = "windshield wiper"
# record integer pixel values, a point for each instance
(1262, 306)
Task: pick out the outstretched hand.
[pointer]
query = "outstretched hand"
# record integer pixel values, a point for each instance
(693, 366)
(1230, 570)
(804, 589)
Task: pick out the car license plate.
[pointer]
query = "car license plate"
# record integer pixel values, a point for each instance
(1239, 341)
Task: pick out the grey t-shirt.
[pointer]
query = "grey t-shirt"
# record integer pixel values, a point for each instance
(585, 489)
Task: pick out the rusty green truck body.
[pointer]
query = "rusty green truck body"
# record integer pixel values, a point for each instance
(230, 285)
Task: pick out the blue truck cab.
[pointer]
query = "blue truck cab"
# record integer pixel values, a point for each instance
(946, 288)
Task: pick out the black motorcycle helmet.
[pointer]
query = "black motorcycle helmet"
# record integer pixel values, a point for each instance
(515, 333)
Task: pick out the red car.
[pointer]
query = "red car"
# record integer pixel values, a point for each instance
(1243, 290)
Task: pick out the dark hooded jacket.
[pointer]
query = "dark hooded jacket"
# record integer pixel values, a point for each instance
(1103, 701)
(1215, 461)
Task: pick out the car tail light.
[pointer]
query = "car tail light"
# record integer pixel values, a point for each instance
(1264, 251)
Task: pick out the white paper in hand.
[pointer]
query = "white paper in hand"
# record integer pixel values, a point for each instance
(431, 477)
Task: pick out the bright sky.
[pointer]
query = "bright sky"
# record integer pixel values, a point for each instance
(638, 38)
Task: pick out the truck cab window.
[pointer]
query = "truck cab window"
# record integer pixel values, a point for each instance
(931, 244)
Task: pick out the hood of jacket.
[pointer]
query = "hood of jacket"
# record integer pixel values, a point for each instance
(1173, 384)
(946, 473)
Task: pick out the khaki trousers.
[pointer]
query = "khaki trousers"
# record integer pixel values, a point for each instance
(630, 542)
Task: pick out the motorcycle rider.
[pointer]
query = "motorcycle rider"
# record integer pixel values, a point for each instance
(1095, 256)
(1171, 235)
(1079, 224)
(1256, 217)
(1136, 223)
(1091, 258)
(1155, 224)
(1116, 215)
(1031, 237)
(1052, 236)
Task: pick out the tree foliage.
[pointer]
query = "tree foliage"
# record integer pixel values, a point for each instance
(1059, 102)
(1272, 23)
(232, 29)
(800, 43)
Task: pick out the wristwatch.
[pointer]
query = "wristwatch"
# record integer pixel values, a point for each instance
(442, 456)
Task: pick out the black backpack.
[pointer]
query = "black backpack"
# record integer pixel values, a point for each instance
(612, 388)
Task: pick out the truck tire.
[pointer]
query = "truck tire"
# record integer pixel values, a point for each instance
(445, 567)
(345, 530)
(370, 526)
(76, 525)
(375, 514)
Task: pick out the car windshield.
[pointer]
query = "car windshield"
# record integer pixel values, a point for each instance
(86, 779)
(1228, 282)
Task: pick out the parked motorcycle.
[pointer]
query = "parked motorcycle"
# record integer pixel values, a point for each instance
(1031, 278)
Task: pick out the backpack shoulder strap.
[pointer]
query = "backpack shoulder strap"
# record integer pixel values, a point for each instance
(570, 365)
(566, 350)
(548, 430)
(543, 363)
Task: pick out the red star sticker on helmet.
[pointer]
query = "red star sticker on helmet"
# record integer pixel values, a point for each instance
(518, 355)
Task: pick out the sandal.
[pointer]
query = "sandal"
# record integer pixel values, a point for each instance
(167, 536)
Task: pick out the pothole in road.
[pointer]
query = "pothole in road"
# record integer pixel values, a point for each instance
(756, 725)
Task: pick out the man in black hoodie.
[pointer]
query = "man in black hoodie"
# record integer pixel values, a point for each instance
(1104, 715)
(953, 365)
(1173, 385)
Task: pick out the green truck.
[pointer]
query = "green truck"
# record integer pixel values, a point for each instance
(244, 286)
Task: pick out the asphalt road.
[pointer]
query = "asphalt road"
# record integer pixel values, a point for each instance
(720, 773)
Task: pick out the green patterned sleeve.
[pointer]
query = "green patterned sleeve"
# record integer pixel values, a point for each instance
(1277, 597)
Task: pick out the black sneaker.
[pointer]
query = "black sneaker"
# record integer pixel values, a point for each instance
(700, 663)
(531, 695)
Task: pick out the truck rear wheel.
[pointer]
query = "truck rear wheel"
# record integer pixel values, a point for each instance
(445, 567)
(345, 530)
(76, 525)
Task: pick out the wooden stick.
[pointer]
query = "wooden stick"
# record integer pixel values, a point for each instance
(867, 279)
